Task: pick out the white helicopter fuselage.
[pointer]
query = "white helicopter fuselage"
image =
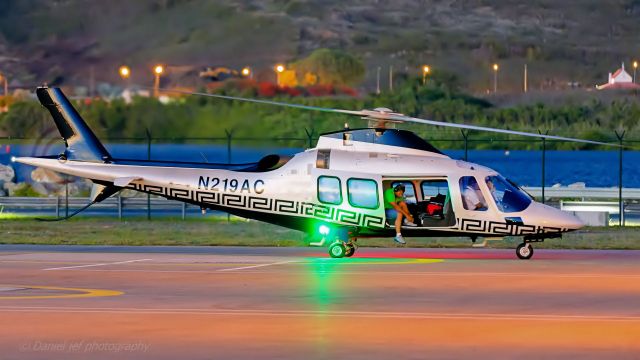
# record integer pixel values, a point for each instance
(289, 195)
(343, 188)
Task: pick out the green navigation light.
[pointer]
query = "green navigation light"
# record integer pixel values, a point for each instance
(323, 230)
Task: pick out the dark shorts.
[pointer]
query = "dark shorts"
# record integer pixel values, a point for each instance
(391, 214)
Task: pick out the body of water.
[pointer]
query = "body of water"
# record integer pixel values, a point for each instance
(594, 168)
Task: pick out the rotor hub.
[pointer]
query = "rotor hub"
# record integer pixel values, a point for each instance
(382, 118)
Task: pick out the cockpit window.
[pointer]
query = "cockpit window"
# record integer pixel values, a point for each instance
(508, 198)
(472, 198)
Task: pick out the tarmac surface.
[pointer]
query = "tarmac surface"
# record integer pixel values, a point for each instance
(67, 302)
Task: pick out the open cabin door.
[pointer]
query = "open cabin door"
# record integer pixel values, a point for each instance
(428, 200)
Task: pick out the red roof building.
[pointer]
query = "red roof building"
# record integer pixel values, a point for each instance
(619, 80)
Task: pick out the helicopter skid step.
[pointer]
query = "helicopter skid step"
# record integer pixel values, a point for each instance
(486, 241)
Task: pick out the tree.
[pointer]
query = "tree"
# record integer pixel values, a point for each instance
(332, 67)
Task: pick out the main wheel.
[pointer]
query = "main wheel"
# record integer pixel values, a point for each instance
(524, 251)
(351, 249)
(337, 250)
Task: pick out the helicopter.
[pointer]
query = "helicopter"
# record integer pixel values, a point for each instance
(334, 191)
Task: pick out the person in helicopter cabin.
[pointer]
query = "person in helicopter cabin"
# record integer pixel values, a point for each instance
(396, 209)
(471, 194)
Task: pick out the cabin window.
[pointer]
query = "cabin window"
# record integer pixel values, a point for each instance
(434, 189)
(363, 193)
(472, 198)
(508, 198)
(329, 191)
(409, 191)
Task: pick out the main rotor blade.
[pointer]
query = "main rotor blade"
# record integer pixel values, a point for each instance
(495, 130)
(387, 116)
(269, 102)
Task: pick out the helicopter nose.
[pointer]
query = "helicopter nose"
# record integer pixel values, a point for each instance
(567, 220)
(548, 216)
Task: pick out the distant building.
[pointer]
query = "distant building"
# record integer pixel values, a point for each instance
(619, 80)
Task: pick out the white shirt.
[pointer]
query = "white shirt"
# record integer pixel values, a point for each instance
(470, 198)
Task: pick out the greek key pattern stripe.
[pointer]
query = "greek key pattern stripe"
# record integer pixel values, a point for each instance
(280, 206)
(503, 228)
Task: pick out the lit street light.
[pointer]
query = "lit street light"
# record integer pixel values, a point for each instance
(495, 78)
(158, 70)
(425, 70)
(635, 68)
(246, 72)
(279, 70)
(124, 72)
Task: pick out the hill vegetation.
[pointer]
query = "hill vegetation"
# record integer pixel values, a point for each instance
(441, 99)
(69, 41)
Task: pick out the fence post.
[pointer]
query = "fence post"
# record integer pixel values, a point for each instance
(544, 160)
(465, 135)
(310, 137)
(148, 158)
(66, 196)
(620, 136)
(229, 139)
(119, 206)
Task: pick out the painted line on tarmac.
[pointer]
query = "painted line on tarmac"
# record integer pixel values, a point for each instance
(312, 313)
(295, 271)
(93, 265)
(78, 293)
(258, 266)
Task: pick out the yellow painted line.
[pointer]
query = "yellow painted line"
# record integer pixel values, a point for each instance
(372, 261)
(80, 293)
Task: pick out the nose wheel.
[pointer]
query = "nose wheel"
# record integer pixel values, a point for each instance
(524, 251)
(340, 249)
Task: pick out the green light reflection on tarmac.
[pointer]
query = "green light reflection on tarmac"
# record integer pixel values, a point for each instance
(327, 286)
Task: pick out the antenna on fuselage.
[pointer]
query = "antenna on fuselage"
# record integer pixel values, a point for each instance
(346, 136)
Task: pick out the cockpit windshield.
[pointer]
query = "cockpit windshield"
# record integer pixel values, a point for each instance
(508, 198)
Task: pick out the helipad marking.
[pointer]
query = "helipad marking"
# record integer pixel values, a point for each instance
(81, 293)
(338, 314)
(92, 265)
(257, 266)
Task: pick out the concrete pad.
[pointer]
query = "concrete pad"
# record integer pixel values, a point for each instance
(292, 303)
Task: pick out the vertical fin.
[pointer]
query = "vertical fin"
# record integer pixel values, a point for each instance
(81, 143)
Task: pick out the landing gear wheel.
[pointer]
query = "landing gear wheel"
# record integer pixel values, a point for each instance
(524, 251)
(338, 250)
(351, 249)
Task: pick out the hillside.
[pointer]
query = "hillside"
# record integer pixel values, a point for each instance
(65, 41)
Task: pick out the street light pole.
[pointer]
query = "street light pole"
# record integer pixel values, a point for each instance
(378, 81)
(279, 71)
(635, 68)
(158, 70)
(495, 78)
(526, 79)
(425, 70)
(6, 84)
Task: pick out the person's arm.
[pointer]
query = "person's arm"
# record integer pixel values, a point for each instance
(401, 210)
